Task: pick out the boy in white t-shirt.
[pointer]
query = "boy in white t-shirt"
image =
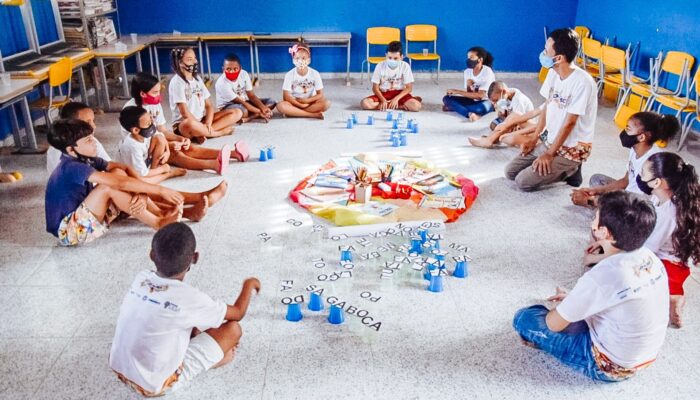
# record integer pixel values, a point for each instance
(567, 123)
(643, 131)
(194, 116)
(472, 101)
(392, 84)
(234, 89)
(613, 322)
(517, 117)
(82, 112)
(302, 90)
(168, 332)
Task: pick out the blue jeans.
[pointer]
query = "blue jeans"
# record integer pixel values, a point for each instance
(572, 346)
(465, 105)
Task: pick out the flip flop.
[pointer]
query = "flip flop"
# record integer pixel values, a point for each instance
(240, 151)
(223, 159)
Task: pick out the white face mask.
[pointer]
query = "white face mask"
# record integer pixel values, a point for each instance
(503, 105)
(301, 62)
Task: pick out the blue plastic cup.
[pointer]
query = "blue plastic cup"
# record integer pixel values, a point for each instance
(389, 116)
(409, 125)
(315, 302)
(400, 115)
(346, 255)
(336, 315)
(354, 118)
(395, 141)
(263, 155)
(349, 123)
(461, 270)
(396, 124)
(416, 246)
(403, 140)
(270, 153)
(429, 271)
(294, 312)
(370, 120)
(423, 234)
(415, 127)
(435, 284)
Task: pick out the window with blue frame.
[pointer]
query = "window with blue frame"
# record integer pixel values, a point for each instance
(44, 21)
(13, 39)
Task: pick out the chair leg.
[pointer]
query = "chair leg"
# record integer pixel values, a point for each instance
(47, 118)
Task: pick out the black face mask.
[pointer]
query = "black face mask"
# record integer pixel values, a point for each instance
(84, 159)
(471, 63)
(627, 140)
(644, 185)
(190, 68)
(148, 132)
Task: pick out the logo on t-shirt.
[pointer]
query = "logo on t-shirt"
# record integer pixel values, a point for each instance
(303, 86)
(193, 89)
(561, 101)
(171, 306)
(152, 287)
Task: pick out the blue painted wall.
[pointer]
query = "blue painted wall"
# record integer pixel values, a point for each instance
(511, 30)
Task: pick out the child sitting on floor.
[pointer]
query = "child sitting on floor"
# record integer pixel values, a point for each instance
(472, 102)
(675, 193)
(193, 114)
(82, 112)
(613, 322)
(302, 90)
(643, 131)
(392, 83)
(168, 332)
(516, 117)
(234, 90)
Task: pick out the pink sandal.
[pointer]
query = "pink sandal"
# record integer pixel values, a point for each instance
(241, 151)
(223, 159)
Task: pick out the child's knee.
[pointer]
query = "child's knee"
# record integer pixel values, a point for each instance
(326, 104)
(367, 104)
(413, 105)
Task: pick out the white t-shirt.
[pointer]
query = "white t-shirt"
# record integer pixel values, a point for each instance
(156, 111)
(135, 154)
(154, 327)
(53, 156)
(520, 103)
(660, 241)
(192, 93)
(302, 86)
(481, 81)
(634, 167)
(577, 94)
(624, 300)
(227, 90)
(392, 79)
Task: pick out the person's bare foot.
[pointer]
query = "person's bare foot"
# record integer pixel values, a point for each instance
(474, 117)
(676, 310)
(217, 193)
(227, 131)
(173, 216)
(446, 109)
(177, 171)
(228, 357)
(198, 210)
(319, 116)
(484, 142)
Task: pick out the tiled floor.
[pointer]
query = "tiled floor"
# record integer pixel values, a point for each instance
(59, 306)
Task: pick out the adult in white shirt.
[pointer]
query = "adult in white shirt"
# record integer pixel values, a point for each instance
(472, 101)
(194, 116)
(675, 193)
(302, 90)
(234, 89)
(613, 322)
(82, 112)
(567, 123)
(517, 117)
(643, 131)
(168, 331)
(392, 84)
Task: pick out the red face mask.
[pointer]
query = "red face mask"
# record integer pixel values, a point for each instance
(151, 100)
(232, 76)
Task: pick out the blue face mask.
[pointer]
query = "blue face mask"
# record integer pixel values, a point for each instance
(392, 63)
(545, 60)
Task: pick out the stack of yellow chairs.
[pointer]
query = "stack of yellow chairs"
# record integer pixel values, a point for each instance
(614, 70)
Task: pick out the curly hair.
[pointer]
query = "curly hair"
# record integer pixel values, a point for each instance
(683, 182)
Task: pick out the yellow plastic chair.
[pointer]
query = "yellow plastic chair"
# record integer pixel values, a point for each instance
(592, 51)
(583, 32)
(617, 61)
(682, 104)
(694, 116)
(378, 36)
(676, 63)
(60, 72)
(423, 33)
(623, 114)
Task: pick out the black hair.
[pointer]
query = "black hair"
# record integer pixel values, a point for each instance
(629, 218)
(394, 47)
(232, 58)
(72, 109)
(67, 131)
(129, 117)
(142, 82)
(483, 54)
(566, 43)
(495, 85)
(683, 182)
(176, 55)
(173, 248)
(660, 126)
